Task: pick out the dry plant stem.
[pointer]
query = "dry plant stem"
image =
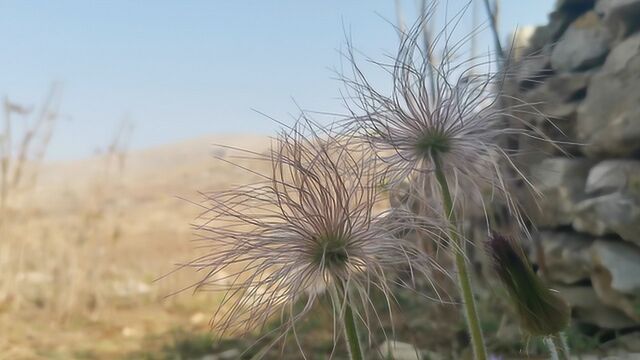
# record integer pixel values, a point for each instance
(464, 279)
(493, 21)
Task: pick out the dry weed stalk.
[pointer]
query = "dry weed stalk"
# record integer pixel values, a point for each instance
(25, 144)
(64, 268)
(24, 139)
(98, 233)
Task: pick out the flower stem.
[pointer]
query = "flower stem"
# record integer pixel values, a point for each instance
(340, 297)
(553, 352)
(464, 278)
(351, 333)
(558, 344)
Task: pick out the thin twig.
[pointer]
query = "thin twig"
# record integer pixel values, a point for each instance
(493, 21)
(426, 36)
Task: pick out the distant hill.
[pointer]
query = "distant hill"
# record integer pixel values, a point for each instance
(93, 234)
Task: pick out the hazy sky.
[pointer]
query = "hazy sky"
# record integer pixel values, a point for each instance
(180, 69)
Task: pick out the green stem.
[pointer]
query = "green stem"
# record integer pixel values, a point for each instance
(351, 333)
(558, 344)
(339, 294)
(553, 351)
(464, 279)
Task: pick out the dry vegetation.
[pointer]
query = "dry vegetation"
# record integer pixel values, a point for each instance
(82, 243)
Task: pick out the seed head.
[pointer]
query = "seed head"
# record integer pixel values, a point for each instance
(454, 111)
(308, 229)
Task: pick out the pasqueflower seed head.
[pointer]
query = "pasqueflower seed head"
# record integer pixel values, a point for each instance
(309, 228)
(454, 112)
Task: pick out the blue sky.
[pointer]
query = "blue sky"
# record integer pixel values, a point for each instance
(180, 69)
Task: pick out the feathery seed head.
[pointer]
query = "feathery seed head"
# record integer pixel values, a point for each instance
(432, 143)
(308, 228)
(455, 110)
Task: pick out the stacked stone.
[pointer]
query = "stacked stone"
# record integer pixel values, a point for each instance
(584, 76)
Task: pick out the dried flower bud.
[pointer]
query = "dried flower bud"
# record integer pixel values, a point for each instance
(541, 311)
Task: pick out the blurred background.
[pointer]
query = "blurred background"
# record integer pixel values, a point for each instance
(110, 110)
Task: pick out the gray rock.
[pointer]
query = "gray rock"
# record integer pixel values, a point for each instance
(553, 112)
(583, 45)
(573, 5)
(614, 175)
(586, 357)
(629, 343)
(587, 308)
(533, 69)
(622, 261)
(519, 43)
(229, 354)
(541, 37)
(561, 182)
(557, 97)
(623, 57)
(623, 356)
(616, 266)
(209, 357)
(559, 20)
(608, 117)
(559, 90)
(601, 282)
(617, 213)
(399, 351)
(621, 16)
(567, 256)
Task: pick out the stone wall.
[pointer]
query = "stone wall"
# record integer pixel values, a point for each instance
(584, 75)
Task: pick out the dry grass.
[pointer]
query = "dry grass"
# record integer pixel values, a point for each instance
(80, 249)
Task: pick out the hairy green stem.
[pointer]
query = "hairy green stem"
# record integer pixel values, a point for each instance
(564, 345)
(553, 351)
(558, 347)
(351, 333)
(464, 278)
(340, 296)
